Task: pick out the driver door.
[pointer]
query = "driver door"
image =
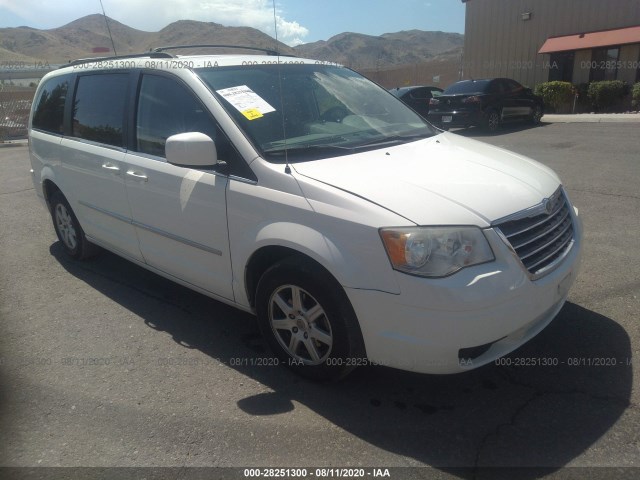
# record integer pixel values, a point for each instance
(179, 213)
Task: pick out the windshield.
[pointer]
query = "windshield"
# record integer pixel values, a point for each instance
(312, 111)
(468, 86)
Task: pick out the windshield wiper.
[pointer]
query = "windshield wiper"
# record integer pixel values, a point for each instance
(306, 148)
(314, 150)
(397, 139)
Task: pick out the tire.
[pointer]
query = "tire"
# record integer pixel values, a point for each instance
(536, 115)
(68, 229)
(308, 321)
(492, 120)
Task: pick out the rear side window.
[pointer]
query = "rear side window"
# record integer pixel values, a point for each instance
(98, 108)
(420, 94)
(512, 86)
(497, 86)
(468, 87)
(49, 112)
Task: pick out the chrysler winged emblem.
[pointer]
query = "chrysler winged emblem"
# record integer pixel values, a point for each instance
(549, 203)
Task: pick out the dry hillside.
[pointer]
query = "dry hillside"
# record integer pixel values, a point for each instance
(83, 37)
(392, 59)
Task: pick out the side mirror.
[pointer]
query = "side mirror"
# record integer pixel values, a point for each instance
(528, 91)
(191, 149)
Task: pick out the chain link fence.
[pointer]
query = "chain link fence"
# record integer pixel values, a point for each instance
(15, 104)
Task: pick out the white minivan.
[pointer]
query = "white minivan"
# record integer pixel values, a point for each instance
(303, 193)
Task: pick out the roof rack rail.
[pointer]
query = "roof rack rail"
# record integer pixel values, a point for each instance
(175, 47)
(152, 54)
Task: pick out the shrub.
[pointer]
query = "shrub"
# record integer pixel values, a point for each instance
(605, 95)
(635, 95)
(556, 94)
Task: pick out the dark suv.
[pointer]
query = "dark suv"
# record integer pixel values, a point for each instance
(487, 103)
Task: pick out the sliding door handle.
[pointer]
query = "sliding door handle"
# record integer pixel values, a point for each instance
(111, 167)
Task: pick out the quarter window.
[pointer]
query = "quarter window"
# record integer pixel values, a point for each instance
(49, 114)
(98, 108)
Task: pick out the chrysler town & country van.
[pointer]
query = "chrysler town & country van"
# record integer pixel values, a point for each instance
(311, 197)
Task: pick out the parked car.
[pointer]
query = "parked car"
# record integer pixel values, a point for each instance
(487, 103)
(307, 195)
(417, 97)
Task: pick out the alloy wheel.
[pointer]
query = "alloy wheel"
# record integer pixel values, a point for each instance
(300, 325)
(64, 224)
(493, 121)
(537, 114)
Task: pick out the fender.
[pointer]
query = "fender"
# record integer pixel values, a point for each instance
(348, 268)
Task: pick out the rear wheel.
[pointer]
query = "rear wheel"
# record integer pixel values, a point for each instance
(307, 320)
(68, 229)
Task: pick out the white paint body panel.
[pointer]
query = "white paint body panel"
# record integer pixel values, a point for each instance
(443, 180)
(94, 180)
(180, 218)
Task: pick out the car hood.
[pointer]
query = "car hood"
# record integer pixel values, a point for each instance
(443, 180)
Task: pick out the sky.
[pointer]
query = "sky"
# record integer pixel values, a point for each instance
(298, 21)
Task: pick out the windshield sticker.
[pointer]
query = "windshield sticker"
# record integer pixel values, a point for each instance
(246, 101)
(251, 113)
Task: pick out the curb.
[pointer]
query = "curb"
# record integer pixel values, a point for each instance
(590, 118)
(13, 143)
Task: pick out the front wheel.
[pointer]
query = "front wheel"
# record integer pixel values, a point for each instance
(536, 115)
(307, 320)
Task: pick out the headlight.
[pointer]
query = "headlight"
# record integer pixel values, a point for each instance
(435, 251)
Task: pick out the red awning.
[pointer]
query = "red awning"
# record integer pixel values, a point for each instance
(607, 38)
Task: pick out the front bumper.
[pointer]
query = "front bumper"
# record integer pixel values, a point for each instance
(464, 321)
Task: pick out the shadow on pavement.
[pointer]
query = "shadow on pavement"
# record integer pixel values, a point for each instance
(542, 406)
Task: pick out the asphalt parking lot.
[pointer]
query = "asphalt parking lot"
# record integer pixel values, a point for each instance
(105, 364)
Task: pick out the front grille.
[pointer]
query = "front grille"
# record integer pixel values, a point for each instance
(541, 240)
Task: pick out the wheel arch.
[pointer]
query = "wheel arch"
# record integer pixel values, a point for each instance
(334, 251)
(267, 256)
(49, 187)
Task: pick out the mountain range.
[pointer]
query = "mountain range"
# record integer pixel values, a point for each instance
(405, 51)
(88, 36)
